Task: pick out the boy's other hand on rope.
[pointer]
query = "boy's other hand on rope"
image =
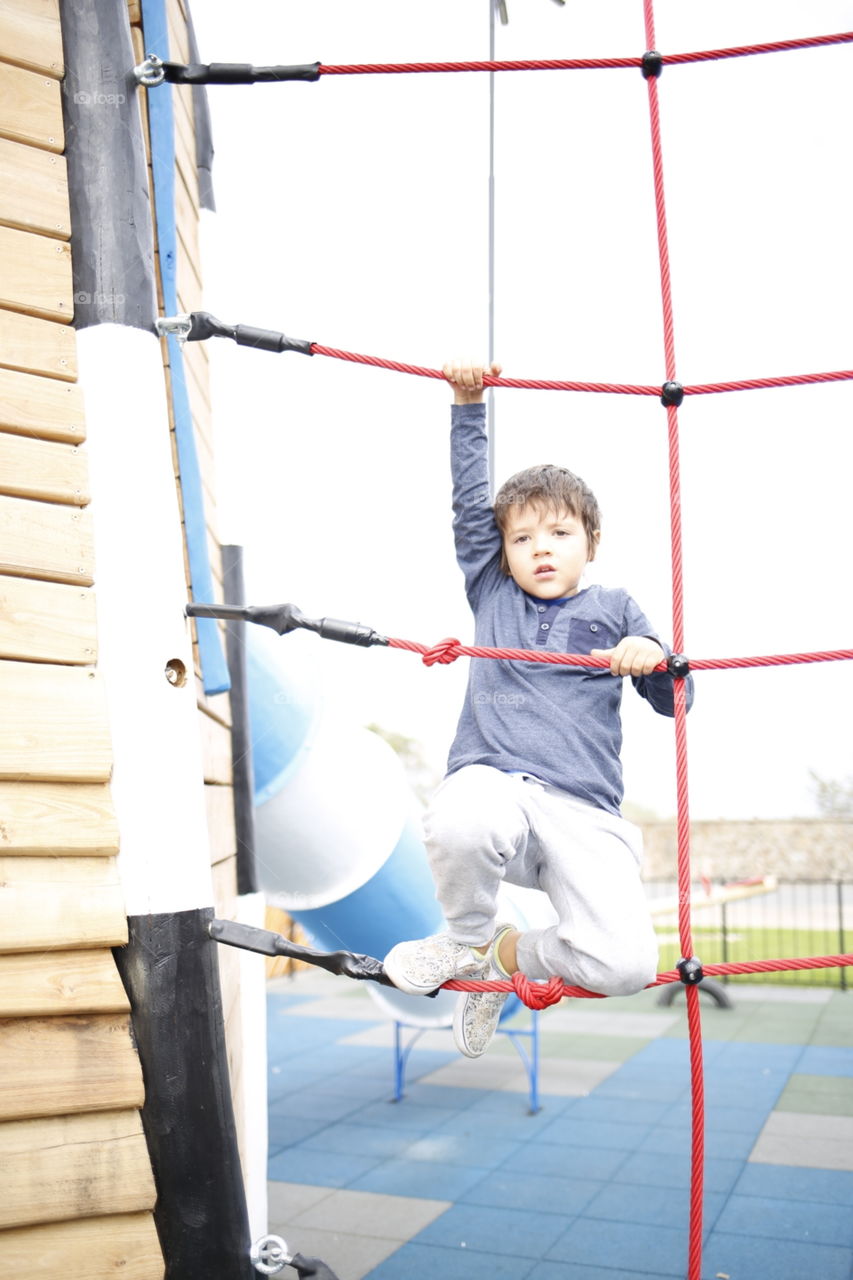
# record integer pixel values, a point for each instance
(466, 379)
(633, 656)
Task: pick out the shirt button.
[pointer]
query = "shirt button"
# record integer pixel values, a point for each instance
(545, 627)
(542, 608)
(593, 626)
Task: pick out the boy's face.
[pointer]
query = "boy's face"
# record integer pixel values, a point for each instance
(547, 551)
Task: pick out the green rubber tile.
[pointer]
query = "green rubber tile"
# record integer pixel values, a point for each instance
(818, 1095)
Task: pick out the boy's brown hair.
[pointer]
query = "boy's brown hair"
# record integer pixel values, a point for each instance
(548, 488)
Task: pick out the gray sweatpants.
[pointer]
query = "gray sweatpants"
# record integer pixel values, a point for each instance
(485, 826)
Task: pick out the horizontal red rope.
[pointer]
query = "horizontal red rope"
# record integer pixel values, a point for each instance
(536, 995)
(449, 650)
(612, 388)
(581, 64)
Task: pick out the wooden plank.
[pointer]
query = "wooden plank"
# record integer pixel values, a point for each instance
(62, 1066)
(74, 818)
(179, 48)
(197, 364)
(34, 189)
(43, 408)
(35, 275)
(55, 726)
(46, 540)
(30, 108)
(43, 469)
(219, 802)
(216, 750)
(224, 877)
(37, 346)
(190, 295)
(59, 984)
(124, 1244)
(134, 12)
(80, 1166)
(47, 622)
(30, 35)
(60, 903)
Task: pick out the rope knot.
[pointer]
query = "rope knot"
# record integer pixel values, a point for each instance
(537, 995)
(445, 651)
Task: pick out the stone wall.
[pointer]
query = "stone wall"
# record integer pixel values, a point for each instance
(792, 849)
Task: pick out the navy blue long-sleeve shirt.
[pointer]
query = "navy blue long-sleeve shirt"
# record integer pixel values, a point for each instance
(561, 724)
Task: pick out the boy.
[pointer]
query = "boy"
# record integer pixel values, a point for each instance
(534, 779)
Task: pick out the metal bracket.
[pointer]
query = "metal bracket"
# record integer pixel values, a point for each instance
(179, 327)
(269, 1255)
(150, 72)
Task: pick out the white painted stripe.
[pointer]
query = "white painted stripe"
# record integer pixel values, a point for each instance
(157, 784)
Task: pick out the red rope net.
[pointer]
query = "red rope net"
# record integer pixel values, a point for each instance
(536, 994)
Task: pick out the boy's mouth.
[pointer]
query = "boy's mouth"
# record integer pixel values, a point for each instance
(544, 568)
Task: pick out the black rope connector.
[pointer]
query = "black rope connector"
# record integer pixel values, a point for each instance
(691, 971)
(204, 325)
(651, 64)
(284, 618)
(347, 964)
(677, 665)
(236, 73)
(671, 393)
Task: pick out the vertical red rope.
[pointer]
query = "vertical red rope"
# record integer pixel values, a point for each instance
(694, 1020)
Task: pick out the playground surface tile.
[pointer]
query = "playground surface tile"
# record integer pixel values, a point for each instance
(459, 1180)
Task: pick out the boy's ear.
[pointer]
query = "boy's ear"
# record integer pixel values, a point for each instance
(593, 544)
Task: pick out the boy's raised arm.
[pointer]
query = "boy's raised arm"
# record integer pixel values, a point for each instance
(478, 542)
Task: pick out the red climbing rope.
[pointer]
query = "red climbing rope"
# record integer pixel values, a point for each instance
(538, 995)
(611, 388)
(449, 650)
(582, 64)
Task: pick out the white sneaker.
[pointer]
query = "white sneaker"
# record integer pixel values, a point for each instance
(477, 1013)
(422, 966)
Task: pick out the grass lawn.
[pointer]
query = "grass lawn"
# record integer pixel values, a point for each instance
(763, 944)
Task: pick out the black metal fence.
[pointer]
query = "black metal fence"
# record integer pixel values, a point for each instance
(777, 919)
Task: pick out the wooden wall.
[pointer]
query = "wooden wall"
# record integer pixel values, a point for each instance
(78, 1189)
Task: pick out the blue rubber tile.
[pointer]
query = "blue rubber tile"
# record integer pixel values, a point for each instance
(804, 1220)
(357, 1140)
(310, 1106)
(648, 1085)
(567, 1162)
(425, 1262)
(741, 1055)
(779, 1181)
(763, 1259)
(283, 1080)
(450, 1147)
(536, 1193)
(618, 1110)
(286, 1131)
(572, 1271)
(724, 1146)
(506, 1103)
(517, 1125)
(567, 1131)
(657, 1251)
(480, 1227)
(405, 1115)
(666, 1051)
(818, 1060)
(425, 1178)
(718, 1093)
(318, 1168)
(650, 1206)
(646, 1169)
(746, 1120)
(438, 1095)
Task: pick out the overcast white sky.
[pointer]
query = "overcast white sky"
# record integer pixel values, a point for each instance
(353, 212)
